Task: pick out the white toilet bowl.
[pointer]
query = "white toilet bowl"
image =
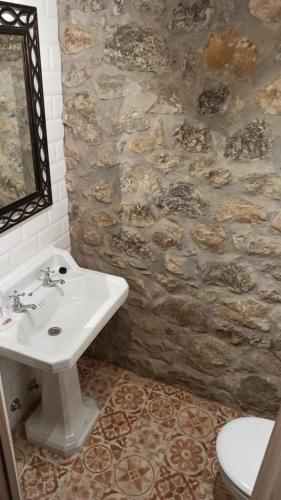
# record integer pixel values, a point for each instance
(241, 445)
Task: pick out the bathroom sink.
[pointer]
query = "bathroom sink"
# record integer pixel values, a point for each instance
(79, 309)
(66, 311)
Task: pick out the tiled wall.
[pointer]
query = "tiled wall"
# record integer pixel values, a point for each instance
(51, 226)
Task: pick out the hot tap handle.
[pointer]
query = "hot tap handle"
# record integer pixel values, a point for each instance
(16, 295)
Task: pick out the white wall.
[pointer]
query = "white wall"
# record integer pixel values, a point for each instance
(51, 226)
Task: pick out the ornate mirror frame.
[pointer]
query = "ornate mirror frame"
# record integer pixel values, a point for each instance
(22, 20)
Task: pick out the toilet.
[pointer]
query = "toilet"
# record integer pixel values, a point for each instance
(240, 447)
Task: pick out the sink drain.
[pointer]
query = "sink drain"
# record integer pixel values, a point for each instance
(55, 330)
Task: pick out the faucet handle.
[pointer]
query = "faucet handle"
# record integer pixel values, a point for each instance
(47, 270)
(16, 295)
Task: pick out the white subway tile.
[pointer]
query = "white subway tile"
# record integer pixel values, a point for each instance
(57, 107)
(59, 150)
(12, 371)
(57, 171)
(33, 226)
(24, 252)
(19, 384)
(62, 190)
(48, 29)
(51, 8)
(55, 192)
(10, 240)
(8, 393)
(59, 211)
(39, 4)
(65, 223)
(52, 152)
(45, 57)
(5, 265)
(52, 83)
(63, 242)
(4, 365)
(50, 235)
(48, 108)
(55, 130)
(55, 57)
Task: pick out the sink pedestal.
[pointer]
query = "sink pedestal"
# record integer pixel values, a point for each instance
(65, 417)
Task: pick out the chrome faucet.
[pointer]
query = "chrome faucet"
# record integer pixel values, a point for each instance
(17, 305)
(47, 279)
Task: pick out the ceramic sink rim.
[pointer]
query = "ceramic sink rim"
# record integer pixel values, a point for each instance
(117, 288)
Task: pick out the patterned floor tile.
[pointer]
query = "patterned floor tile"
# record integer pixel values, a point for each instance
(172, 485)
(95, 365)
(98, 386)
(170, 391)
(25, 451)
(115, 427)
(152, 441)
(77, 486)
(210, 488)
(20, 458)
(129, 395)
(148, 438)
(95, 463)
(135, 475)
(41, 479)
(129, 377)
(138, 466)
(55, 458)
(111, 494)
(186, 455)
(83, 372)
(162, 408)
(196, 423)
(110, 369)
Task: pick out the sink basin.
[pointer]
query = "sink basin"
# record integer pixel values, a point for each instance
(52, 338)
(80, 308)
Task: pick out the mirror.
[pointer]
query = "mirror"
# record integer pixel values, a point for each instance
(17, 177)
(25, 186)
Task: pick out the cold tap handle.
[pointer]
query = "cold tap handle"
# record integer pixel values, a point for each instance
(47, 270)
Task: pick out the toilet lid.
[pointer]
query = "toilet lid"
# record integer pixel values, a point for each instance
(241, 445)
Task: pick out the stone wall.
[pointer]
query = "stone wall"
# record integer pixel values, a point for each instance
(172, 115)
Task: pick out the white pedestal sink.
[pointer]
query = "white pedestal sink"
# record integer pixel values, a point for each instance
(78, 309)
(65, 417)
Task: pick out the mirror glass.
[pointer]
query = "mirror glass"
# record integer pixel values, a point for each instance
(17, 176)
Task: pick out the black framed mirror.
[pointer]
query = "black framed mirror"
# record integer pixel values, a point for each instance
(25, 185)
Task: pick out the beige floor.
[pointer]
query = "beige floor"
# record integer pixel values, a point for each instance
(152, 441)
